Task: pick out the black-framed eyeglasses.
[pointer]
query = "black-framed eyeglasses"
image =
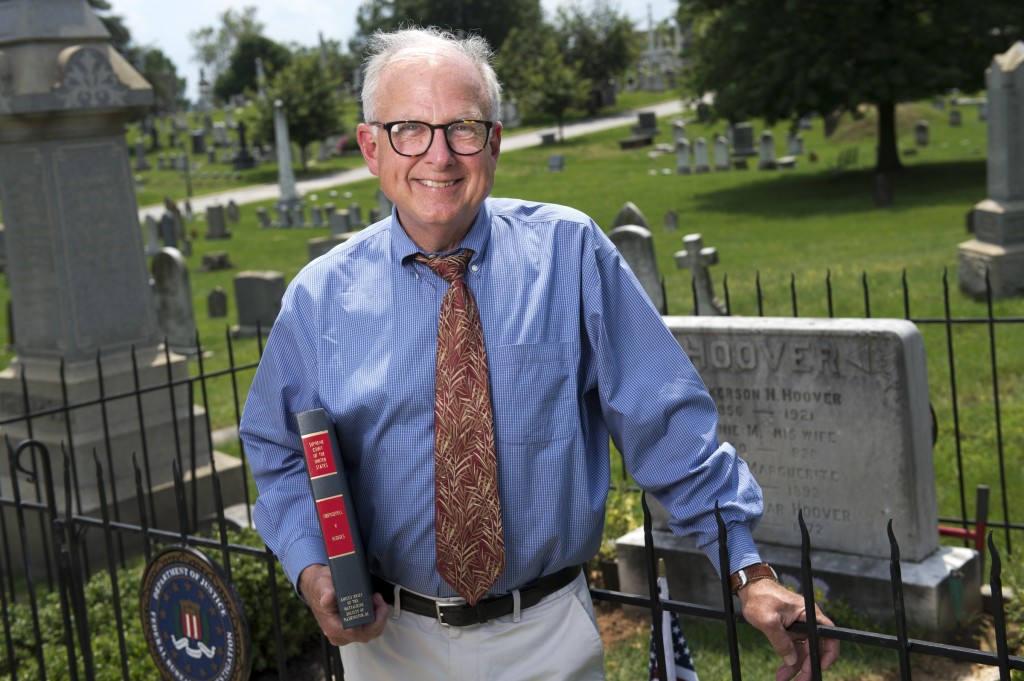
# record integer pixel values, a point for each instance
(465, 137)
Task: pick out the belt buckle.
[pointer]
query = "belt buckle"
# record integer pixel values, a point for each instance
(440, 607)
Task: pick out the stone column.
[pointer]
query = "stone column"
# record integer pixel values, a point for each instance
(77, 270)
(285, 174)
(998, 243)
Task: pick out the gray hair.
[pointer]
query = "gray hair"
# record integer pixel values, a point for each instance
(386, 49)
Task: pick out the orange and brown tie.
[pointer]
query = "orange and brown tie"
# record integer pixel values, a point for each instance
(467, 511)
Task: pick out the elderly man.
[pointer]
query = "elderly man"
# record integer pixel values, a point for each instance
(476, 355)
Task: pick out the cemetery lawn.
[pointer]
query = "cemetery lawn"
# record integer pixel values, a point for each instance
(794, 233)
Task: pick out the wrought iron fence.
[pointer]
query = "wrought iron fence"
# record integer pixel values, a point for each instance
(52, 542)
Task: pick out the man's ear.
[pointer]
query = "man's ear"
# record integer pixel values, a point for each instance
(367, 138)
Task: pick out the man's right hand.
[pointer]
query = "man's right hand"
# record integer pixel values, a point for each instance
(317, 588)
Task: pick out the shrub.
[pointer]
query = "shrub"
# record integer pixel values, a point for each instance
(248, 574)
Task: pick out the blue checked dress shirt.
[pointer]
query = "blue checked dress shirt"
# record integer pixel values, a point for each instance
(576, 352)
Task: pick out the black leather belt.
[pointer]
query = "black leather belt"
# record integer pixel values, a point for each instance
(464, 614)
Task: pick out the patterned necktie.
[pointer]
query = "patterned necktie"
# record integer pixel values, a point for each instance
(467, 511)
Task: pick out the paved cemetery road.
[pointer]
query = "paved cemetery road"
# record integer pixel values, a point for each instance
(510, 142)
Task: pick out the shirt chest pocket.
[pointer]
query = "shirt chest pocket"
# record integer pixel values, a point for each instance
(533, 392)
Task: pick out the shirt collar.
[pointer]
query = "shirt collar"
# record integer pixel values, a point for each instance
(477, 239)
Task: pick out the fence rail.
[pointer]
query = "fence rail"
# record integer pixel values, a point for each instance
(53, 540)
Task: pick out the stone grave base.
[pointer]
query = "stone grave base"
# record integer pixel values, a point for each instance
(940, 593)
(1005, 265)
(229, 469)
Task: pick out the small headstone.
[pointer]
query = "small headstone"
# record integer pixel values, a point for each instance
(258, 297)
(316, 214)
(795, 144)
(214, 261)
(636, 244)
(355, 217)
(921, 133)
(339, 221)
(168, 230)
(629, 214)
(678, 130)
(172, 294)
(217, 303)
(556, 163)
(140, 155)
(298, 214)
(743, 140)
(234, 213)
(547, 138)
(766, 158)
(263, 217)
(647, 124)
(671, 221)
(152, 235)
(700, 156)
(198, 142)
(721, 153)
(955, 118)
(216, 223)
(683, 157)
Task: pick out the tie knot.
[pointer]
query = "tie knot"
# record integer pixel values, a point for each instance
(449, 267)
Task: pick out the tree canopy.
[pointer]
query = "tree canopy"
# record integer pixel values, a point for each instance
(493, 19)
(535, 71)
(600, 43)
(214, 45)
(311, 102)
(240, 74)
(784, 60)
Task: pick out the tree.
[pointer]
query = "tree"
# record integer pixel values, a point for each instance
(151, 62)
(157, 68)
(601, 43)
(214, 45)
(784, 60)
(535, 71)
(240, 74)
(120, 36)
(493, 19)
(311, 101)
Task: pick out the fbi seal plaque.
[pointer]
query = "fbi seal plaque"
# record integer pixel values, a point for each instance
(193, 619)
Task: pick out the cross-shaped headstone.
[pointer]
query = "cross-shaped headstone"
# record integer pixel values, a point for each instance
(698, 259)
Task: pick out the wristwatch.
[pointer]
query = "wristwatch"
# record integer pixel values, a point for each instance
(751, 573)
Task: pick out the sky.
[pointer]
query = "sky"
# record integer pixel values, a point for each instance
(167, 25)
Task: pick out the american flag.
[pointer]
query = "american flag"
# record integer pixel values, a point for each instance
(678, 663)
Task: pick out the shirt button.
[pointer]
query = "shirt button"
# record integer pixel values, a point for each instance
(475, 267)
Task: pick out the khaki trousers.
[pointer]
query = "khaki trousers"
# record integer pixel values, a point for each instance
(555, 640)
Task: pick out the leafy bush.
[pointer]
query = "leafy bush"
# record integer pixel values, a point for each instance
(249, 575)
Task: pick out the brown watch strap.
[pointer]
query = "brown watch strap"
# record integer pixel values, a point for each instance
(751, 573)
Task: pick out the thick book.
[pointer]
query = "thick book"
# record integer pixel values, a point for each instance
(346, 554)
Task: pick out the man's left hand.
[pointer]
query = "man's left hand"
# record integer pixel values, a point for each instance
(773, 608)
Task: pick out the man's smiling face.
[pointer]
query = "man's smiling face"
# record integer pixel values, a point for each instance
(437, 194)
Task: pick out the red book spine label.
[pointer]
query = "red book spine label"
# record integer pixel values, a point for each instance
(319, 457)
(334, 523)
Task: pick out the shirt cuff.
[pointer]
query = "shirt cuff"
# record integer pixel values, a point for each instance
(742, 550)
(300, 554)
